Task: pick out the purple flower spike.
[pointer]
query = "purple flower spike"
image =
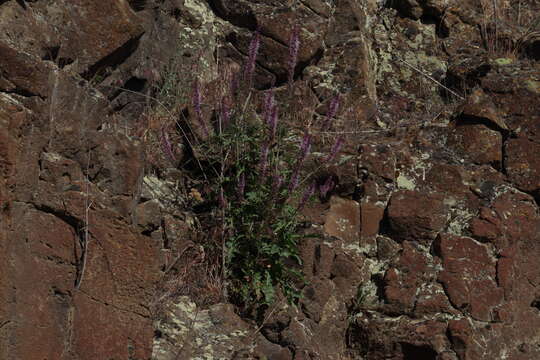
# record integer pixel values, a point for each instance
(197, 100)
(241, 186)
(264, 159)
(252, 55)
(294, 45)
(166, 145)
(222, 199)
(225, 113)
(327, 186)
(277, 181)
(268, 103)
(235, 83)
(332, 111)
(272, 122)
(335, 149)
(294, 181)
(305, 147)
(307, 194)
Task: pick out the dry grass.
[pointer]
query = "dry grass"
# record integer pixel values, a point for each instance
(508, 26)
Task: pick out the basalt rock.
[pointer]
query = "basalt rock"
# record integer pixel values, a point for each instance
(426, 246)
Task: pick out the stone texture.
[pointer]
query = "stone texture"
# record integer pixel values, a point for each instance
(414, 215)
(476, 294)
(479, 143)
(343, 220)
(426, 248)
(522, 166)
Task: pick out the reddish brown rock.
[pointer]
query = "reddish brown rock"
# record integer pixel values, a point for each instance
(22, 73)
(522, 164)
(276, 26)
(379, 160)
(478, 143)
(416, 215)
(512, 216)
(404, 282)
(469, 275)
(64, 145)
(480, 106)
(446, 178)
(343, 220)
(83, 35)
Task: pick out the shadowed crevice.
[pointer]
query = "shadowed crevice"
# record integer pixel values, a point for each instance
(417, 352)
(116, 58)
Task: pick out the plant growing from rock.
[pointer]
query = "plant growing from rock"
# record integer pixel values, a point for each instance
(256, 165)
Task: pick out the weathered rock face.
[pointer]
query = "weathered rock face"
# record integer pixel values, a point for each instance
(427, 245)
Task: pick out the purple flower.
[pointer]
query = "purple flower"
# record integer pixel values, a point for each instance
(293, 184)
(225, 113)
(222, 199)
(335, 149)
(268, 103)
(166, 145)
(264, 159)
(235, 80)
(305, 147)
(241, 186)
(269, 111)
(252, 55)
(294, 45)
(307, 194)
(197, 100)
(277, 181)
(272, 122)
(327, 186)
(332, 110)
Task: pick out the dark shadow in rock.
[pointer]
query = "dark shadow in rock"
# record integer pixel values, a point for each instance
(135, 84)
(246, 20)
(532, 50)
(22, 3)
(116, 58)
(417, 352)
(137, 5)
(440, 29)
(536, 303)
(51, 54)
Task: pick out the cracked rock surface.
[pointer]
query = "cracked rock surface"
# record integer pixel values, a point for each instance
(427, 246)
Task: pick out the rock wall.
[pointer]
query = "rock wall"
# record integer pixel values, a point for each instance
(429, 242)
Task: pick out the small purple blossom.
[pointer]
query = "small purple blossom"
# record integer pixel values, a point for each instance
(272, 122)
(197, 100)
(222, 199)
(277, 181)
(166, 145)
(335, 149)
(305, 147)
(241, 186)
(268, 103)
(307, 194)
(264, 159)
(252, 55)
(293, 184)
(332, 111)
(235, 82)
(294, 45)
(225, 113)
(327, 186)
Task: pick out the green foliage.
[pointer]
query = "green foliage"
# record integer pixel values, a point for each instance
(260, 213)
